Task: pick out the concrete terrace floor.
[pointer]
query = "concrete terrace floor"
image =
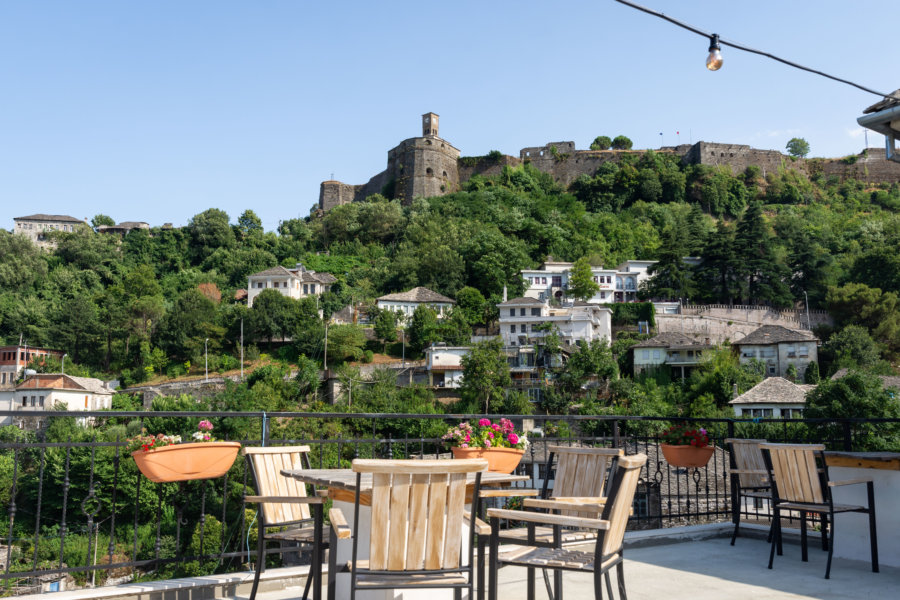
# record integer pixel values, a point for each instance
(713, 570)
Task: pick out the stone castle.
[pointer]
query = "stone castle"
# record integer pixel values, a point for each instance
(430, 166)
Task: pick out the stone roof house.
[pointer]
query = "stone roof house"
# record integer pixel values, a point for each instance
(778, 348)
(407, 302)
(295, 283)
(675, 350)
(41, 392)
(35, 227)
(773, 397)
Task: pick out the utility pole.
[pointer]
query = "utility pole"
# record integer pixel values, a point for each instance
(806, 302)
(325, 360)
(206, 358)
(242, 348)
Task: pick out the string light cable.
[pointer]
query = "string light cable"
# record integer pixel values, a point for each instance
(714, 61)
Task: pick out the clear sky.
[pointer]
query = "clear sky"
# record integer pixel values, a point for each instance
(157, 110)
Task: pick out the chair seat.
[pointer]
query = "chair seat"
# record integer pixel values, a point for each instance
(544, 535)
(560, 558)
(821, 508)
(367, 580)
(299, 534)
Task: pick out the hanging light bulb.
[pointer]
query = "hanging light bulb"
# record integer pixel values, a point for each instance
(714, 60)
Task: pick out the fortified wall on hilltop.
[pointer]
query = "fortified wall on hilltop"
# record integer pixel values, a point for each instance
(430, 166)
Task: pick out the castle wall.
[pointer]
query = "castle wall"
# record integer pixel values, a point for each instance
(485, 166)
(423, 167)
(736, 156)
(334, 193)
(720, 323)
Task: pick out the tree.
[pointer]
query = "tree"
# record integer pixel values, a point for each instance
(101, 219)
(210, 230)
(386, 326)
(620, 142)
(345, 342)
(581, 280)
(601, 142)
(472, 304)
(21, 262)
(485, 374)
(249, 225)
(671, 277)
(423, 328)
(594, 359)
(756, 262)
(877, 311)
(797, 147)
(853, 348)
(183, 329)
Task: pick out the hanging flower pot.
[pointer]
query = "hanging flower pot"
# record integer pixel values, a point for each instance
(500, 460)
(182, 462)
(685, 456)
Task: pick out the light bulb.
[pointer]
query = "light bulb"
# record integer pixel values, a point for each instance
(714, 60)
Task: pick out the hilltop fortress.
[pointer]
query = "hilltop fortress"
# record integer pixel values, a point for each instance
(430, 166)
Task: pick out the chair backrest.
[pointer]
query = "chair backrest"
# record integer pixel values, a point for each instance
(746, 456)
(266, 465)
(417, 512)
(797, 473)
(581, 471)
(622, 488)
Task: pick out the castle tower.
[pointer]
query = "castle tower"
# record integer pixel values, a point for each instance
(430, 124)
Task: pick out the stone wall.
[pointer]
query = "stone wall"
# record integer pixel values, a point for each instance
(736, 156)
(485, 166)
(719, 323)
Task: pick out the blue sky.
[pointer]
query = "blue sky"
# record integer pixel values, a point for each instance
(156, 111)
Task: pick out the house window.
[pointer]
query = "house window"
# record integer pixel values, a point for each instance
(557, 281)
(535, 312)
(512, 328)
(791, 351)
(41, 402)
(603, 295)
(24, 400)
(521, 312)
(771, 369)
(305, 288)
(2, 377)
(85, 401)
(657, 355)
(312, 288)
(543, 281)
(645, 354)
(34, 401)
(512, 312)
(803, 350)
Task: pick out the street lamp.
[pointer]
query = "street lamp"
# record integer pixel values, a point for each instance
(63, 368)
(806, 302)
(206, 357)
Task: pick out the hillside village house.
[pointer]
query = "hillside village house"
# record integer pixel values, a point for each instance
(13, 359)
(444, 364)
(616, 285)
(124, 227)
(37, 226)
(778, 348)
(42, 391)
(295, 283)
(674, 350)
(523, 320)
(407, 302)
(773, 397)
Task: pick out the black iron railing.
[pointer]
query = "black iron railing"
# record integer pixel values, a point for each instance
(78, 506)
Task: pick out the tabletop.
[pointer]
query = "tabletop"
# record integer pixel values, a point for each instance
(889, 461)
(345, 479)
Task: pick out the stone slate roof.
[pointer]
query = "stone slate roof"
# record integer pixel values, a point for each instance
(774, 390)
(302, 274)
(43, 217)
(418, 294)
(274, 271)
(776, 334)
(889, 102)
(523, 300)
(65, 382)
(886, 380)
(670, 340)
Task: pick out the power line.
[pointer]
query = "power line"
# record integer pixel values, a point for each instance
(724, 42)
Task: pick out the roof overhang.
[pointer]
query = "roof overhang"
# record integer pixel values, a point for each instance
(887, 123)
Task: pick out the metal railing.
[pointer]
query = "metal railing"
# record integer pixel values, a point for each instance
(78, 507)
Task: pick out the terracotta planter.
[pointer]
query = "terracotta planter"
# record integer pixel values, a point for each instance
(500, 460)
(181, 462)
(686, 455)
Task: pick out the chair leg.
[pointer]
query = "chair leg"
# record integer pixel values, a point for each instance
(598, 584)
(773, 533)
(608, 585)
(873, 536)
(620, 575)
(332, 564)
(830, 550)
(735, 511)
(493, 563)
(482, 547)
(260, 555)
(804, 555)
(457, 593)
(825, 526)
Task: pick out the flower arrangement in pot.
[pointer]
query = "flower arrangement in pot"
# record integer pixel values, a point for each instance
(498, 443)
(684, 445)
(163, 458)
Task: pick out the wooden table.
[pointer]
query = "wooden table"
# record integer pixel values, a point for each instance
(341, 486)
(883, 468)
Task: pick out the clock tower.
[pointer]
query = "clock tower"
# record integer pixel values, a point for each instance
(430, 124)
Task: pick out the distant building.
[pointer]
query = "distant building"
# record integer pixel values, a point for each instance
(295, 283)
(551, 281)
(444, 365)
(673, 350)
(123, 228)
(14, 359)
(778, 348)
(524, 321)
(773, 397)
(41, 392)
(408, 302)
(36, 227)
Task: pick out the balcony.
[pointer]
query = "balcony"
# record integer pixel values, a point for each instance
(78, 511)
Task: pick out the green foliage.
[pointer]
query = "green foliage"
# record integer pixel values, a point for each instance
(485, 375)
(601, 142)
(423, 329)
(797, 147)
(581, 281)
(620, 142)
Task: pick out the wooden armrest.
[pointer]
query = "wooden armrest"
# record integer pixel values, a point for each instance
(571, 503)
(750, 471)
(285, 499)
(545, 519)
(481, 528)
(509, 493)
(339, 524)
(849, 481)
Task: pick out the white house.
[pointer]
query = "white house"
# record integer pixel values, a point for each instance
(14, 359)
(773, 397)
(35, 227)
(525, 320)
(295, 283)
(407, 302)
(41, 392)
(444, 364)
(671, 349)
(778, 348)
(621, 284)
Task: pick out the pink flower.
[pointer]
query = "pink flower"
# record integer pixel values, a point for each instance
(495, 427)
(512, 439)
(463, 445)
(468, 437)
(491, 433)
(487, 443)
(484, 423)
(506, 425)
(205, 425)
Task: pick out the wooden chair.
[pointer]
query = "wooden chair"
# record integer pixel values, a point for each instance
(609, 528)
(800, 483)
(416, 531)
(285, 507)
(580, 474)
(749, 477)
